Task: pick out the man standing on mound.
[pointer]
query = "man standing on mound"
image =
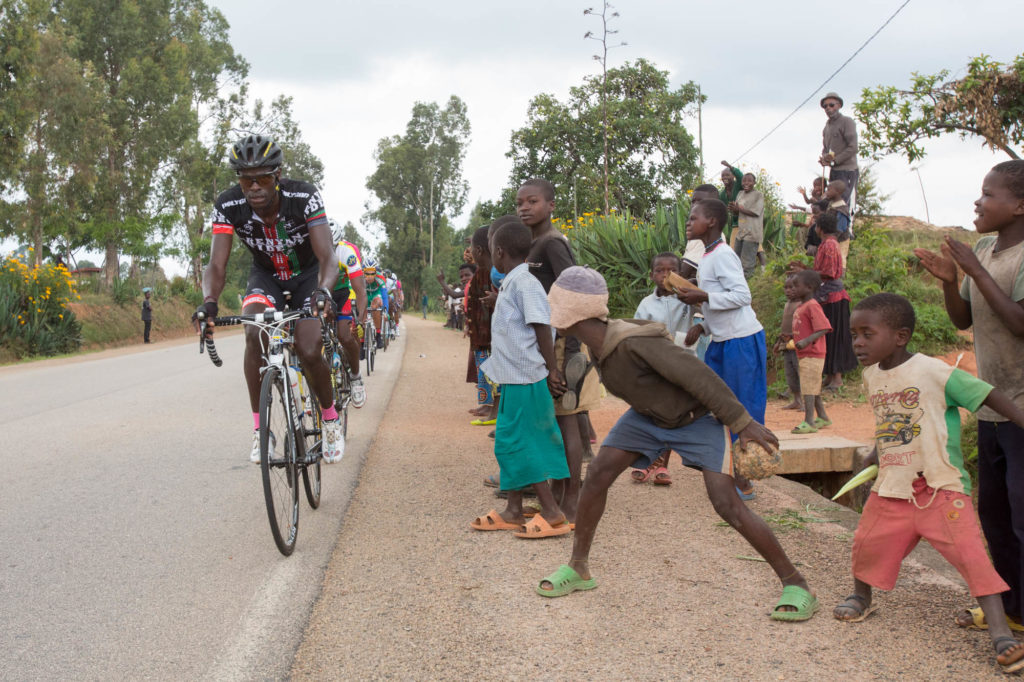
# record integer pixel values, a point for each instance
(676, 402)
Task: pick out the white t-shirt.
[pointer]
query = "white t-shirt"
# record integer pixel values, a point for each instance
(727, 312)
(917, 424)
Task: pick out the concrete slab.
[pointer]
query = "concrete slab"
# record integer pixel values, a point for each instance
(817, 452)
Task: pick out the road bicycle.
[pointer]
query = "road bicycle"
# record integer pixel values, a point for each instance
(369, 343)
(386, 326)
(291, 425)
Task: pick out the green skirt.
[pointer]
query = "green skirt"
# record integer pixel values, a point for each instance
(527, 442)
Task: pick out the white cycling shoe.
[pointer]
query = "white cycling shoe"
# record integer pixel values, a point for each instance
(358, 391)
(333, 442)
(254, 454)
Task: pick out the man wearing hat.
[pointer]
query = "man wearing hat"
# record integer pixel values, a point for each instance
(839, 147)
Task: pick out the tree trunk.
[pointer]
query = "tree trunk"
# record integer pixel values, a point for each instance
(430, 207)
(111, 268)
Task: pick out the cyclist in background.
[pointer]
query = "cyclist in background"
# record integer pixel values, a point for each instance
(400, 297)
(377, 293)
(391, 283)
(350, 276)
(283, 224)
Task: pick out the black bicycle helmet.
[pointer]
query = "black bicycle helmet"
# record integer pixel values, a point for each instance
(255, 151)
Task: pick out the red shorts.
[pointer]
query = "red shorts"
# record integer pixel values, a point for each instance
(890, 528)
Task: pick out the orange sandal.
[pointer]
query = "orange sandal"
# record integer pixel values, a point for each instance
(538, 527)
(493, 521)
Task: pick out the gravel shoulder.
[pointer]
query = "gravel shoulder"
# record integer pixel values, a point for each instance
(412, 592)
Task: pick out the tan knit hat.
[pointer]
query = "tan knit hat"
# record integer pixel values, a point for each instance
(834, 96)
(578, 294)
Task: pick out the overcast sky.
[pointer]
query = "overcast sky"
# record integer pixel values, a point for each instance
(355, 69)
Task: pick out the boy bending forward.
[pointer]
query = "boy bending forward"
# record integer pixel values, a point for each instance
(674, 401)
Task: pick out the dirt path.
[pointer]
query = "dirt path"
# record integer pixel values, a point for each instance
(413, 593)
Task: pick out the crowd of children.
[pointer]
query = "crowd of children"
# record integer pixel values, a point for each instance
(692, 367)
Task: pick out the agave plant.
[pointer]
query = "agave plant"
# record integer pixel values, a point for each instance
(621, 247)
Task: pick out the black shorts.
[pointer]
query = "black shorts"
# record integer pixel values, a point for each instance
(264, 288)
(342, 303)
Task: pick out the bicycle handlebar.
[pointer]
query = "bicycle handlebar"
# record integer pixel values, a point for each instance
(265, 317)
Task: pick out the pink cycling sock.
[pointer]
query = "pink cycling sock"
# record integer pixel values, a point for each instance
(329, 413)
(255, 421)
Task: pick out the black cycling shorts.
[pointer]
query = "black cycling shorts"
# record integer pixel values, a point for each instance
(342, 304)
(268, 290)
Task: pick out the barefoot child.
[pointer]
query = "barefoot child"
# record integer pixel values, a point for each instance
(737, 351)
(527, 443)
(809, 328)
(922, 489)
(549, 255)
(789, 359)
(479, 308)
(992, 300)
(677, 403)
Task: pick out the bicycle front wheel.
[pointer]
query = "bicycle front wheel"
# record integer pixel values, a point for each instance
(278, 461)
(369, 347)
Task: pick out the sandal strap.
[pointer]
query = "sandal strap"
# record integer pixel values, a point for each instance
(1012, 640)
(859, 598)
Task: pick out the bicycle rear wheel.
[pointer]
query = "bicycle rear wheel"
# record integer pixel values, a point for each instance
(386, 335)
(278, 461)
(343, 392)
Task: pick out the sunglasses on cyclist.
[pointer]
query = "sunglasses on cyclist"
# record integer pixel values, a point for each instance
(263, 179)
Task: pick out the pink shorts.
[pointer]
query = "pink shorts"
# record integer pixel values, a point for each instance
(890, 528)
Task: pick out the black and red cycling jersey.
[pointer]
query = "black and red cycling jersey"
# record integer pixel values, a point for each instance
(283, 249)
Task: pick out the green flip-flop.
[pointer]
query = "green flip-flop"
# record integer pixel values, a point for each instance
(804, 427)
(803, 601)
(820, 423)
(565, 581)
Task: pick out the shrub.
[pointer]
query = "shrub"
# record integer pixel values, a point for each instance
(124, 291)
(34, 315)
(621, 247)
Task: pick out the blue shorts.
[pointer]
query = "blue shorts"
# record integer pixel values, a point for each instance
(742, 365)
(703, 444)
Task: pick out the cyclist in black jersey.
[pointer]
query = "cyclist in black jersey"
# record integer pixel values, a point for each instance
(283, 223)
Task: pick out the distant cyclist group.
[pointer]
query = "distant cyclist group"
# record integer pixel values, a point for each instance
(300, 262)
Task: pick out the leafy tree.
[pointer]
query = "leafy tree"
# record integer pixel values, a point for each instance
(351, 234)
(651, 155)
(19, 43)
(153, 57)
(988, 103)
(870, 200)
(418, 188)
(277, 121)
(53, 174)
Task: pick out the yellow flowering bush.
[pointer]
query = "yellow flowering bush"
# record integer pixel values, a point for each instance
(621, 247)
(35, 318)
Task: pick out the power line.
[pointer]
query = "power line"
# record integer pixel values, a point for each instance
(826, 82)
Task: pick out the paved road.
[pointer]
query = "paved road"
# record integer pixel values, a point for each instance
(133, 536)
